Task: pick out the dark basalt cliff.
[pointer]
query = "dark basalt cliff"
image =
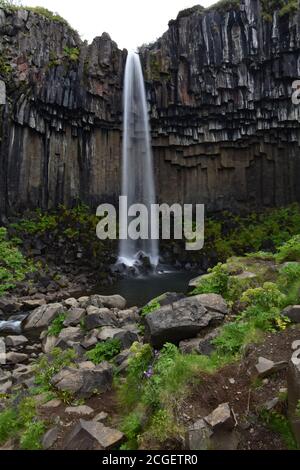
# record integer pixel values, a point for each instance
(219, 84)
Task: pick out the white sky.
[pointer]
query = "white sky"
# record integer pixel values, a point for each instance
(130, 23)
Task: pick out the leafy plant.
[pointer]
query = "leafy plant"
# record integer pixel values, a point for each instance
(57, 325)
(215, 282)
(150, 307)
(50, 365)
(280, 424)
(72, 53)
(289, 251)
(20, 422)
(104, 351)
(13, 265)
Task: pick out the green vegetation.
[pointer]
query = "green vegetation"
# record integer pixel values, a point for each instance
(225, 5)
(154, 385)
(5, 67)
(57, 325)
(50, 365)
(284, 7)
(104, 351)
(19, 421)
(72, 53)
(280, 424)
(13, 265)
(289, 251)
(216, 282)
(150, 307)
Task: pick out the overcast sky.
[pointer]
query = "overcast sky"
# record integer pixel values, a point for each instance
(129, 22)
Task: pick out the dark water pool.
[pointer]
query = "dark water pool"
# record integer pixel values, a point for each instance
(139, 291)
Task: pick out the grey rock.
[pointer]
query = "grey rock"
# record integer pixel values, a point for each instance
(101, 318)
(16, 358)
(182, 320)
(22, 374)
(92, 435)
(292, 312)
(32, 304)
(84, 383)
(82, 410)
(214, 303)
(42, 317)
(198, 436)
(221, 418)
(75, 316)
(50, 438)
(16, 341)
(102, 416)
(265, 367)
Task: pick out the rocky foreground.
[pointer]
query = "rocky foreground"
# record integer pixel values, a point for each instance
(78, 403)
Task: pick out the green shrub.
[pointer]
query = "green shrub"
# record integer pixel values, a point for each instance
(31, 437)
(57, 325)
(104, 351)
(72, 53)
(13, 265)
(150, 307)
(20, 422)
(215, 282)
(50, 365)
(289, 251)
(280, 424)
(264, 297)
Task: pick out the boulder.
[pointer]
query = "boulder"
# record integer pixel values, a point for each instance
(221, 418)
(48, 344)
(112, 301)
(201, 346)
(15, 341)
(198, 436)
(127, 317)
(126, 337)
(82, 410)
(75, 316)
(93, 435)
(33, 304)
(5, 381)
(265, 367)
(22, 373)
(84, 383)
(71, 303)
(10, 305)
(50, 438)
(213, 303)
(292, 312)
(42, 317)
(16, 358)
(51, 405)
(90, 340)
(71, 334)
(99, 318)
(182, 320)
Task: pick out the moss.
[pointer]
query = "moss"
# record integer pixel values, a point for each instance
(190, 11)
(225, 5)
(5, 67)
(284, 7)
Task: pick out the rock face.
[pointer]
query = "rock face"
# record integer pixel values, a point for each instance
(219, 84)
(83, 383)
(182, 320)
(225, 131)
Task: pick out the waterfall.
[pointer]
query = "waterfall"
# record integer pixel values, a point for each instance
(137, 169)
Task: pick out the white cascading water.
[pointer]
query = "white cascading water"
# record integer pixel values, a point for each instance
(137, 172)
